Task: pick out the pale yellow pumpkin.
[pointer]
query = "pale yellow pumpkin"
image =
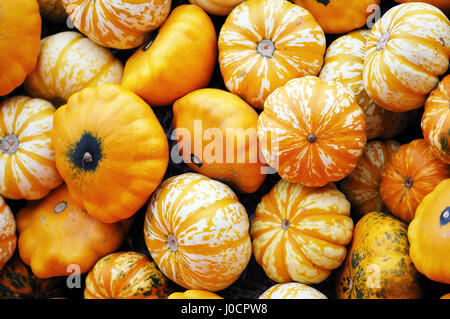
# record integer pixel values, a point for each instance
(68, 63)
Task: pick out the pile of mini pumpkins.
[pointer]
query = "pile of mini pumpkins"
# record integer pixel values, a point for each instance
(338, 171)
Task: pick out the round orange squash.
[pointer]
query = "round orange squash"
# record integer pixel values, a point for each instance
(68, 63)
(446, 296)
(412, 173)
(406, 50)
(311, 131)
(197, 232)
(55, 233)
(362, 185)
(53, 10)
(125, 275)
(8, 237)
(217, 7)
(436, 120)
(429, 233)
(119, 24)
(344, 62)
(20, 42)
(299, 233)
(378, 265)
(338, 16)
(292, 290)
(265, 43)
(444, 5)
(216, 135)
(179, 60)
(194, 294)
(27, 164)
(110, 156)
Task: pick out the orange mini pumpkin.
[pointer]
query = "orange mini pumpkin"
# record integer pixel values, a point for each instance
(407, 49)
(55, 233)
(194, 294)
(292, 290)
(429, 234)
(27, 163)
(119, 24)
(110, 156)
(412, 173)
(299, 233)
(224, 126)
(197, 232)
(344, 63)
(362, 185)
(180, 59)
(436, 120)
(8, 237)
(311, 131)
(217, 7)
(265, 43)
(338, 16)
(125, 275)
(68, 63)
(20, 42)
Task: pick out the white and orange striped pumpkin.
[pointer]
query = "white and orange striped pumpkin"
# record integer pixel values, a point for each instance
(292, 290)
(119, 24)
(68, 63)
(406, 50)
(436, 120)
(27, 166)
(300, 233)
(265, 43)
(217, 7)
(311, 131)
(8, 237)
(362, 185)
(344, 62)
(197, 232)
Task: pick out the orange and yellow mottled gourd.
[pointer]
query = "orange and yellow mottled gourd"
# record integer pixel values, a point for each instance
(446, 296)
(68, 63)
(20, 42)
(125, 275)
(411, 174)
(53, 10)
(344, 62)
(179, 60)
(362, 185)
(436, 120)
(300, 233)
(8, 237)
(337, 16)
(429, 234)
(27, 164)
(55, 233)
(406, 50)
(265, 43)
(292, 290)
(119, 24)
(194, 294)
(197, 232)
(378, 265)
(311, 131)
(18, 282)
(216, 135)
(110, 156)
